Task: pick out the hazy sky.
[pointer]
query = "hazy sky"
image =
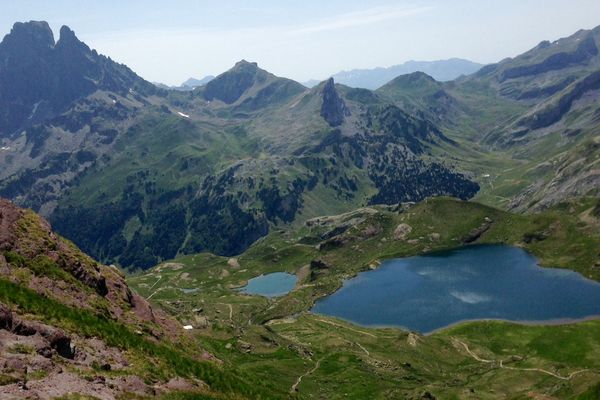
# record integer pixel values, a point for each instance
(169, 41)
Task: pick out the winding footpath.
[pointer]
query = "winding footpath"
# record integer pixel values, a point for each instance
(152, 287)
(295, 385)
(501, 364)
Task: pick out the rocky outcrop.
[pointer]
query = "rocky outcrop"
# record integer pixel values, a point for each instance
(402, 231)
(59, 270)
(318, 267)
(333, 109)
(27, 235)
(477, 232)
(48, 338)
(39, 361)
(370, 231)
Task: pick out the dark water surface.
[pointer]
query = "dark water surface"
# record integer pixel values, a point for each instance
(428, 292)
(271, 285)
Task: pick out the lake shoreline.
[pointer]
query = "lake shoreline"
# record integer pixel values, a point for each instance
(550, 322)
(461, 281)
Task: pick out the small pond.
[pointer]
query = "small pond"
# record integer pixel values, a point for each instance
(271, 285)
(428, 292)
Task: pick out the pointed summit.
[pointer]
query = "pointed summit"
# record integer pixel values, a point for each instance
(333, 109)
(67, 33)
(68, 39)
(250, 87)
(231, 85)
(245, 65)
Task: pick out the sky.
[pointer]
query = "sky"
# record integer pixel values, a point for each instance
(170, 41)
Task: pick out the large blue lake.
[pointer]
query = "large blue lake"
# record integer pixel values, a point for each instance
(428, 292)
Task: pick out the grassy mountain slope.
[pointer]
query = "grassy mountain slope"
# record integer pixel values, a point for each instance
(536, 113)
(216, 168)
(187, 174)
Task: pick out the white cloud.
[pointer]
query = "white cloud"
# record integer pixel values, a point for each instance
(359, 18)
(280, 48)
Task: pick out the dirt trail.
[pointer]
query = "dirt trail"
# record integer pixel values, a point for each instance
(295, 385)
(151, 287)
(345, 327)
(501, 364)
(363, 348)
(230, 309)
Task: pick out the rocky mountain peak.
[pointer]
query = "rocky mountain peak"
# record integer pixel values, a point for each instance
(333, 109)
(243, 64)
(232, 84)
(68, 39)
(32, 34)
(40, 79)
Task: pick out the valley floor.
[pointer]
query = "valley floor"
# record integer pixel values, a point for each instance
(280, 344)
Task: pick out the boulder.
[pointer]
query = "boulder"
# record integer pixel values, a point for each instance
(224, 274)
(434, 237)
(4, 269)
(57, 338)
(142, 308)
(370, 231)
(201, 322)
(134, 385)
(244, 346)
(402, 231)
(477, 232)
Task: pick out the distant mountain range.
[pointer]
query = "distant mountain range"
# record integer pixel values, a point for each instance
(189, 84)
(135, 174)
(442, 70)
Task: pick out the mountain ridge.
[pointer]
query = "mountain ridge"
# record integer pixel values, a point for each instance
(250, 151)
(62, 72)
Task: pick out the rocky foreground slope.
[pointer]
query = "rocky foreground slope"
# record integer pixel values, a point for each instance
(71, 325)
